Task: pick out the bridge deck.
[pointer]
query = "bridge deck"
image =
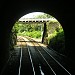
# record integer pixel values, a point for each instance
(36, 20)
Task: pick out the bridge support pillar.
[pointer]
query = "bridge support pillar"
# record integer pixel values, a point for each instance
(44, 32)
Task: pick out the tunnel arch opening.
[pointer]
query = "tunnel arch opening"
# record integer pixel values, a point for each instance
(58, 9)
(54, 37)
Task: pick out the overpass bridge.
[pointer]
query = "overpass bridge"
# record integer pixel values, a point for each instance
(35, 20)
(29, 20)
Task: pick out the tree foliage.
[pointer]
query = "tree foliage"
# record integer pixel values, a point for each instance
(44, 16)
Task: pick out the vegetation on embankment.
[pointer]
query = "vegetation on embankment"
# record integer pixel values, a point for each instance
(31, 30)
(33, 34)
(57, 41)
(13, 39)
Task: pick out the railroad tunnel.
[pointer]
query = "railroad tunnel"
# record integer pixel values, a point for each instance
(11, 11)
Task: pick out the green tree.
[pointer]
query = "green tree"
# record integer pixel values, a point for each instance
(44, 16)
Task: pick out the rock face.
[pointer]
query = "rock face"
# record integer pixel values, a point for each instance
(13, 40)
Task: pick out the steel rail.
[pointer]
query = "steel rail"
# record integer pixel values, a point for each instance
(57, 52)
(54, 59)
(20, 62)
(6, 64)
(46, 61)
(30, 57)
(31, 60)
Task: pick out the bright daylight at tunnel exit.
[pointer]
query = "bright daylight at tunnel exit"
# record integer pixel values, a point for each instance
(32, 25)
(37, 47)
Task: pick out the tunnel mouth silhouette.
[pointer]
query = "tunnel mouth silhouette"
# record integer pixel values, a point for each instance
(52, 34)
(10, 14)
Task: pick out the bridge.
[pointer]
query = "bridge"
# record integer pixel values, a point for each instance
(29, 20)
(35, 20)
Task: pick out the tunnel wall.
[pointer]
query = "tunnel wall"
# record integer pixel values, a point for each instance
(11, 11)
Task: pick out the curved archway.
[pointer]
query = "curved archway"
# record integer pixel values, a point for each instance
(55, 34)
(60, 10)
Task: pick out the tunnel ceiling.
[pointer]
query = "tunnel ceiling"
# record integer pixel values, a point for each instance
(12, 10)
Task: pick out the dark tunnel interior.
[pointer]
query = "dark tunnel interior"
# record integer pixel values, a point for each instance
(11, 11)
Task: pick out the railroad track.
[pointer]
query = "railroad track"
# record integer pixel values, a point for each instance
(19, 62)
(55, 66)
(30, 58)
